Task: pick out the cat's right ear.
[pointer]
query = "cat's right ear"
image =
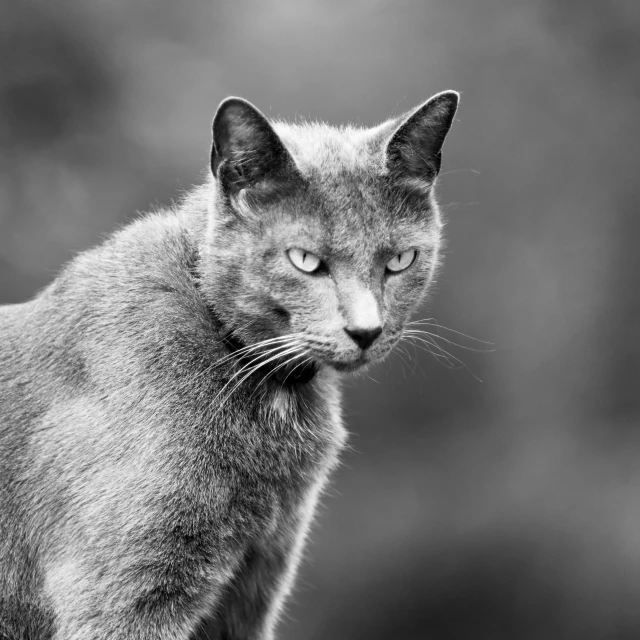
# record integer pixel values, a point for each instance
(246, 152)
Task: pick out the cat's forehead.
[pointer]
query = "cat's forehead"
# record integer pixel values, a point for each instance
(347, 204)
(344, 168)
(321, 148)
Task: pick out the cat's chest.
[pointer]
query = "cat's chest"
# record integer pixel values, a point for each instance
(284, 435)
(267, 454)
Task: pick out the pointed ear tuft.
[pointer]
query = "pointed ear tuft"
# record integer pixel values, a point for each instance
(414, 149)
(246, 151)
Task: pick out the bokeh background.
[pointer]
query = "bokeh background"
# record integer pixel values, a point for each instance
(500, 499)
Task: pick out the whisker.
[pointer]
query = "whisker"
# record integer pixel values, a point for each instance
(444, 352)
(440, 357)
(253, 370)
(451, 342)
(282, 364)
(426, 346)
(244, 350)
(288, 350)
(402, 352)
(452, 171)
(256, 359)
(435, 323)
(290, 361)
(402, 355)
(257, 345)
(415, 361)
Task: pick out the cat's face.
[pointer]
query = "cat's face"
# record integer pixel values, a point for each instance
(322, 241)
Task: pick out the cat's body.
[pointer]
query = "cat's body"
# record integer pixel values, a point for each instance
(156, 466)
(140, 457)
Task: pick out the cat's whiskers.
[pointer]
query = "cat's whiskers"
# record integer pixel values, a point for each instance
(250, 373)
(282, 364)
(433, 336)
(426, 345)
(291, 349)
(245, 366)
(258, 359)
(427, 339)
(255, 346)
(432, 322)
(253, 365)
(402, 352)
(235, 355)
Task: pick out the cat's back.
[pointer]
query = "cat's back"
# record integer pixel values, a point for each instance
(24, 394)
(15, 326)
(68, 382)
(70, 342)
(23, 384)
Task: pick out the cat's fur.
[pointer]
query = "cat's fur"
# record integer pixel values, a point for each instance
(144, 483)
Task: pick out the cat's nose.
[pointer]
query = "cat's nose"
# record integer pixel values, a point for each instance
(364, 338)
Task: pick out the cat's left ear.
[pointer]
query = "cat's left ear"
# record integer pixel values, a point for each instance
(246, 151)
(414, 150)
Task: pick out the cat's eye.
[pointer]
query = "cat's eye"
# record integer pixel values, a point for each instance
(305, 261)
(402, 261)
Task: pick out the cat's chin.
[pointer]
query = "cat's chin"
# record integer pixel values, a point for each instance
(349, 366)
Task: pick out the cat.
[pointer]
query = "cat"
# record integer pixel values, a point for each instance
(170, 403)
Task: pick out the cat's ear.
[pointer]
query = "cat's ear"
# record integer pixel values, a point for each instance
(414, 150)
(246, 151)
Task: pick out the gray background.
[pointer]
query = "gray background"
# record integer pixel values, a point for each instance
(507, 508)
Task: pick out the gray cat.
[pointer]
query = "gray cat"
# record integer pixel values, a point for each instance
(170, 404)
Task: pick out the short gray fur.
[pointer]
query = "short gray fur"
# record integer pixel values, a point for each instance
(155, 470)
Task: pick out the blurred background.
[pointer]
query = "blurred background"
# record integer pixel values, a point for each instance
(500, 499)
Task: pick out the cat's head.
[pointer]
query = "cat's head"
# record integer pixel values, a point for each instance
(321, 241)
